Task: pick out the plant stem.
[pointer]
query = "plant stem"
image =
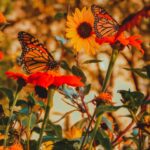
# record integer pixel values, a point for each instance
(110, 68)
(9, 120)
(28, 131)
(107, 78)
(49, 103)
(87, 130)
(98, 121)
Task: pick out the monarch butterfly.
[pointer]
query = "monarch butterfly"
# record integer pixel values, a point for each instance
(104, 24)
(35, 57)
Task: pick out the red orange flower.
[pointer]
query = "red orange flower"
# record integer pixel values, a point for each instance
(16, 76)
(21, 78)
(1, 55)
(2, 18)
(132, 40)
(104, 97)
(15, 146)
(46, 79)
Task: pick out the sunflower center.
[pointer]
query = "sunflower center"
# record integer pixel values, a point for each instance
(84, 30)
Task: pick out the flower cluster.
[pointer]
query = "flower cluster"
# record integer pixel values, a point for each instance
(131, 40)
(43, 80)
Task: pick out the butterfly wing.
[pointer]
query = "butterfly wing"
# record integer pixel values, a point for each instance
(104, 24)
(35, 57)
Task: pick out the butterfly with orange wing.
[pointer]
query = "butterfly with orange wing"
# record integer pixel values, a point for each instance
(35, 57)
(104, 24)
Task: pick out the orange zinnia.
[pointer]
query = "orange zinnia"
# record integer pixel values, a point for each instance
(105, 97)
(131, 40)
(2, 18)
(21, 78)
(43, 80)
(46, 79)
(1, 55)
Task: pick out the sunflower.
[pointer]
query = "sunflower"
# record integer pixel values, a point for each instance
(80, 30)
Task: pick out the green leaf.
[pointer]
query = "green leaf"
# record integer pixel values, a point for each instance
(24, 111)
(78, 72)
(139, 71)
(56, 128)
(59, 16)
(4, 120)
(148, 70)
(33, 120)
(64, 65)
(87, 89)
(33, 144)
(31, 100)
(108, 123)
(106, 108)
(49, 138)
(36, 129)
(103, 139)
(66, 145)
(69, 92)
(132, 100)
(8, 93)
(21, 102)
(92, 61)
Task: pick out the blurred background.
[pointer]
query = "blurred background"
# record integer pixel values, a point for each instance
(46, 20)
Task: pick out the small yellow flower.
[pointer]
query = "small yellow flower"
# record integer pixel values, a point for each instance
(73, 133)
(47, 145)
(80, 30)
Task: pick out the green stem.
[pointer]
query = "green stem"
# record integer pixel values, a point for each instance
(98, 121)
(110, 68)
(29, 131)
(49, 103)
(9, 120)
(107, 78)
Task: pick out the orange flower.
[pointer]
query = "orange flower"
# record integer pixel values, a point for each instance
(46, 79)
(15, 146)
(42, 80)
(2, 18)
(16, 76)
(73, 133)
(21, 79)
(132, 40)
(104, 97)
(1, 55)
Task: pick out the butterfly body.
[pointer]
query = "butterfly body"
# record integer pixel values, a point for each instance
(104, 24)
(35, 57)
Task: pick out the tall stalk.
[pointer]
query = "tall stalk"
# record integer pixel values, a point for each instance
(106, 80)
(10, 118)
(49, 104)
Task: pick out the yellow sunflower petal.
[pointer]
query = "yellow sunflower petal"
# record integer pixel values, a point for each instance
(83, 21)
